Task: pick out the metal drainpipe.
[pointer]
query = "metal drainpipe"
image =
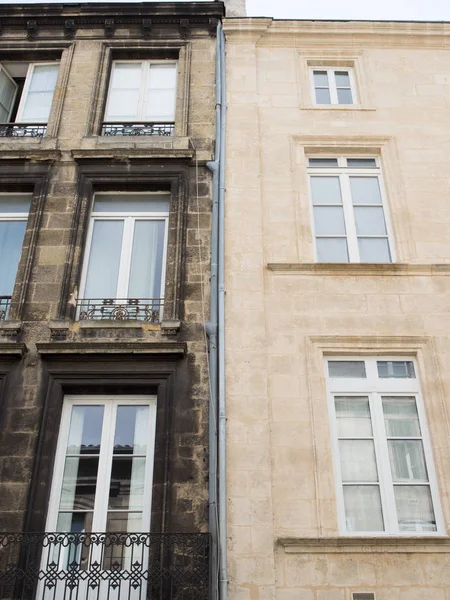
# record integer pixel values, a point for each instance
(211, 328)
(222, 458)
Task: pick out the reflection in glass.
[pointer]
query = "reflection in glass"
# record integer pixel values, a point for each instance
(85, 430)
(374, 250)
(365, 190)
(131, 430)
(326, 190)
(344, 96)
(79, 483)
(353, 416)
(403, 369)
(329, 220)
(370, 220)
(124, 522)
(407, 460)
(363, 508)
(129, 203)
(11, 240)
(321, 78)
(414, 508)
(400, 416)
(127, 483)
(323, 96)
(342, 79)
(333, 250)
(69, 522)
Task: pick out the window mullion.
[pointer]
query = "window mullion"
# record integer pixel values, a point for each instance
(332, 84)
(350, 227)
(385, 474)
(104, 469)
(125, 258)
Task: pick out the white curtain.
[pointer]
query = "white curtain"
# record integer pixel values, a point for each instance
(40, 94)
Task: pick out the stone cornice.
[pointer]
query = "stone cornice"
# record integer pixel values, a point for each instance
(360, 269)
(154, 348)
(356, 545)
(133, 153)
(12, 349)
(310, 34)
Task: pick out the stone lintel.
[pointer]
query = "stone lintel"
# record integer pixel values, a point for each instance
(126, 154)
(12, 349)
(367, 545)
(155, 348)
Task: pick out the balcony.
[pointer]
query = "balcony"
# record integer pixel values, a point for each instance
(104, 566)
(5, 303)
(23, 130)
(148, 310)
(138, 129)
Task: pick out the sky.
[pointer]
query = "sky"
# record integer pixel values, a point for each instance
(402, 10)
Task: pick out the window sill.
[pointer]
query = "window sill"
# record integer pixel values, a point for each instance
(370, 545)
(361, 269)
(338, 107)
(148, 142)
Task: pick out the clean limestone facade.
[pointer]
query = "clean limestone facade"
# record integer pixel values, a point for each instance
(337, 310)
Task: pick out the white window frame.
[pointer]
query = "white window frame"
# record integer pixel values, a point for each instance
(373, 387)
(110, 402)
(145, 68)
(331, 72)
(26, 87)
(344, 173)
(5, 71)
(16, 216)
(129, 219)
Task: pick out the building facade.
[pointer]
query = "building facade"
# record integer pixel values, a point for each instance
(108, 120)
(337, 311)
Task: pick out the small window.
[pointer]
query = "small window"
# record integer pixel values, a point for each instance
(384, 469)
(349, 213)
(26, 96)
(141, 98)
(333, 86)
(347, 368)
(14, 209)
(363, 596)
(124, 266)
(396, 369)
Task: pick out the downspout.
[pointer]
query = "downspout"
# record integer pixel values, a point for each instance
(211, 328)
(222, 459)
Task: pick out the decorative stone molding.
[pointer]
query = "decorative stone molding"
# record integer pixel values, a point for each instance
(157, 348)
(32, 30)
(13, 349)
(10, 330)
(146, 27)
(170, 327)
(361, 269)
(59, 331)
(69, 28)
(185, 28)
(362, 545)
(110, 27)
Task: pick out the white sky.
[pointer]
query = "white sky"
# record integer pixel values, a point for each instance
(402, 10)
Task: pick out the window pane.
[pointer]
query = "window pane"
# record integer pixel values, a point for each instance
(11, 240)
(361, 163)
(131, 203)
(85, 431)
(79, 483)
(365, 190)
(333, 250)
(131, 430)
(396, 368)
(329, 220)
(374, 250)
(353, 416)
(124, 522)
(162, 76)
(323, 96)
(320, 78)
(347, 368)
(74, 522)
(326, 190)
(342, 79)
(147, 260)
(15, 203)
(7, 94)
(370, 220)
(160, 106)
(323, 162)
(126, 76)
(344, 96)
(122, 105)
(358, 462)
(363, 508)
(104, 260)
(414, 508)
(400, 416)
(40, 93)
(407, 460)
(126, 489)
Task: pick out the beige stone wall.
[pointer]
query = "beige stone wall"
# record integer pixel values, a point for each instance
(284, 312)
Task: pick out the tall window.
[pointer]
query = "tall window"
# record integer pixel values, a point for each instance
(350, 218)
(103, 470)
(26, 92)
(383, 463)
(333, 86)
(141, 98)
(14, 209)
(125, 256)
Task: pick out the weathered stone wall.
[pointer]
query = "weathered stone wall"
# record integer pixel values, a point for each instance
(284, 541)
(49, 288)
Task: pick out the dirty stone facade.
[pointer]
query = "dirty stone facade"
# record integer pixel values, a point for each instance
(46, 350)
(288, 314)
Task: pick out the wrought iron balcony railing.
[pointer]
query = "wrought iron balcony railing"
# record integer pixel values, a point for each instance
(164, 129)
(5, 303)
(34, 130)
(104, 566)
(120, 309)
